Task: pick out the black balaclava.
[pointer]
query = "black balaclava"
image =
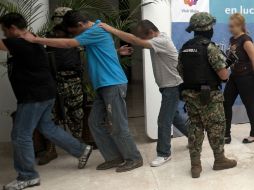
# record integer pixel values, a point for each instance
(207, 34)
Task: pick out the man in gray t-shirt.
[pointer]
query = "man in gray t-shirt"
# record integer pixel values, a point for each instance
(165, 60)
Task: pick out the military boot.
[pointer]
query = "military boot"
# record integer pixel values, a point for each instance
(49, 155)
(196, 168)
(222, 163)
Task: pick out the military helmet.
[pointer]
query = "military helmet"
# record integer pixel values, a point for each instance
(59, 13)
(201, 21)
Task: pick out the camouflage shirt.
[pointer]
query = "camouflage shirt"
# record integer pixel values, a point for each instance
(215, 58)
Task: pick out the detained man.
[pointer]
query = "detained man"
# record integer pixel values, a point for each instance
(110, 83)
(165, 60)
(35, 90)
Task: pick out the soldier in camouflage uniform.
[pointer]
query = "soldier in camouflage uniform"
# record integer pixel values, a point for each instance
(69, 86)
(67, 70)
(203, 66)
(59, 12)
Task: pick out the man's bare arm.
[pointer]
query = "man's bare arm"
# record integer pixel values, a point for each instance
(2, 46)
(54, 42)
(125, 50)
(57, 42)
(127, 37)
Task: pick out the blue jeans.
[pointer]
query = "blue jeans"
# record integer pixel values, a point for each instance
(37, 115)
(169, 115)
(113, 140)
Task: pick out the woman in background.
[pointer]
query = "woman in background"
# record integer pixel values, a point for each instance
(241, 80)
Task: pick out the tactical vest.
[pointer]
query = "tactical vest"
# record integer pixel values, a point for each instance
(197, 70)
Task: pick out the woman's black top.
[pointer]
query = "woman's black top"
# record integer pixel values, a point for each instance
(244, 67)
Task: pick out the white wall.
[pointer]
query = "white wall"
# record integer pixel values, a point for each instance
(159, 14)
(7, 98)
(7, 105)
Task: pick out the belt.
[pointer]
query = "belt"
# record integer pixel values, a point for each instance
(198, 88)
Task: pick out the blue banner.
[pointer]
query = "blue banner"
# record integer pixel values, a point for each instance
(182, 10)
(222, 9)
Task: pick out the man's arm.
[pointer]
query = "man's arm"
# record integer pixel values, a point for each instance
(2, 46)
(217, 61)
(127, 37)
(53, 42)
(125, 50)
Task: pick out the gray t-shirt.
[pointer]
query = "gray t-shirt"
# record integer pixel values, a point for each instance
(165, 60)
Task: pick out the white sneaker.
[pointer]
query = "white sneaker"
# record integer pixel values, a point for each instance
(19, 185)
(160, 161)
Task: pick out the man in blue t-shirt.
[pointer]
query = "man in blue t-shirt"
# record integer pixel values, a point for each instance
(108, 78)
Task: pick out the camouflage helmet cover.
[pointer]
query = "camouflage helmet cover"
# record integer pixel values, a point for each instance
(59, 14)
(201, 21)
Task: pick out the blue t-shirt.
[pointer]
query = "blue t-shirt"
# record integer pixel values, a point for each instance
(103, 64)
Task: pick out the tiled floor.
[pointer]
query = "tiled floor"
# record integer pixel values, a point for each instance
(62, 174)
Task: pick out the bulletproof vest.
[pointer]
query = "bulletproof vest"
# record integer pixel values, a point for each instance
(197, 70)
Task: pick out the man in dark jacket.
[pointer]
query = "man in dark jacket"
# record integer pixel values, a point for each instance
(35, 90)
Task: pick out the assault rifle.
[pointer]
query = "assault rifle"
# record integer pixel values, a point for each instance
(231, 58)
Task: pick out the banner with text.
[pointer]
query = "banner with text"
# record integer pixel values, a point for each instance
(182, 10)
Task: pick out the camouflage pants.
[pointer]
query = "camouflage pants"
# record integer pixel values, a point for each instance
(209, 118)
(69, 87)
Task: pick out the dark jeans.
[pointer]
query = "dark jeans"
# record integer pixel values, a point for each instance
(243, 86)
(28, 117)
(169, 115)
(113, 140)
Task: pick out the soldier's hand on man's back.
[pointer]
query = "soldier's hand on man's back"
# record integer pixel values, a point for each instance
(125, 50)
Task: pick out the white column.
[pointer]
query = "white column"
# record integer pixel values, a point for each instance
(43, 19)
(159, 14)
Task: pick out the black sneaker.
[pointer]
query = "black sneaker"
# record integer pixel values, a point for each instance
(19, 185)
(110, 164)
(129, 165)
(227, 140)
(85, 156)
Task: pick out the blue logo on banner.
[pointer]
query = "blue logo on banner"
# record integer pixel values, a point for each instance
(222, 9)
